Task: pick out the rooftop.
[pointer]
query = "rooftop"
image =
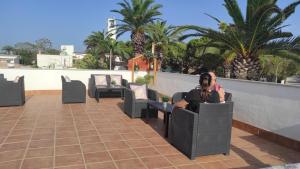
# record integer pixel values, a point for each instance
(44, 133)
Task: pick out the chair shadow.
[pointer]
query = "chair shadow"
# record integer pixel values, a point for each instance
(272, 148)
(157, 124)
(249, 158)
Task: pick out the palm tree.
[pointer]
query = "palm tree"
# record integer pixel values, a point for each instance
(137, 14)
(260, 31)
(8, 49)
(160, 35)
(94, 40)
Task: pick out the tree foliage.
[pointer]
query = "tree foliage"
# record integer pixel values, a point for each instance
(88, 62)
(136, 15)
(260, 30)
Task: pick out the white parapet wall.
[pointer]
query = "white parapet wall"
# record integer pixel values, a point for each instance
(40, 79)
(273, 107)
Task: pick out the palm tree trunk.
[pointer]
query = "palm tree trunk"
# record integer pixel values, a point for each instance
(246, 68)
(110, 58)
(138, 40)
(227, 69)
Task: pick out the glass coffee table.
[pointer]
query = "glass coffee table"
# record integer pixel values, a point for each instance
(166, 110)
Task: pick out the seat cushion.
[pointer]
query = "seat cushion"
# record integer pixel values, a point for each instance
(16, 80)
(117, 79)
(100, 80)
(140, 91)
(67, 79)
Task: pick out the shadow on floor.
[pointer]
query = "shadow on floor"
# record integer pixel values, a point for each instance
(278, 151)
(156, 124)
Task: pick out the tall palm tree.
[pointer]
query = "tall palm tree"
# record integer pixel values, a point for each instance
(160, 35)
(94, 40)
(259, 31)
(137, 14)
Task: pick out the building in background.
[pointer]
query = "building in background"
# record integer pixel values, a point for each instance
(67, 49)
(9, 61)
(112, 28)
(62, 61)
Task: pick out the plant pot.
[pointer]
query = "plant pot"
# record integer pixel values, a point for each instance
(165, 104)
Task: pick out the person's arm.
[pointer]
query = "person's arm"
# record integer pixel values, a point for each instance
(185, 101)
(181, 104)
(221, 94)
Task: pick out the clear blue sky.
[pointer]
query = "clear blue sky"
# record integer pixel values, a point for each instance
(70, 22)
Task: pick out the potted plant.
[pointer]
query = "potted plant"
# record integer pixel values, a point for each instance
(165, 100)
(113, 83)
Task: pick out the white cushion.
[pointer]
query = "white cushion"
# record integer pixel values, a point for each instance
(67, 79)
(16, 79)
(117, 79)
(100, 80)
(140, 91)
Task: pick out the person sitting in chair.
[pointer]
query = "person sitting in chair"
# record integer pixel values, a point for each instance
(204, 94)
(217, 87)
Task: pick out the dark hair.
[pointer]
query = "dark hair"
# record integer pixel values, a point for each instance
(205, 81)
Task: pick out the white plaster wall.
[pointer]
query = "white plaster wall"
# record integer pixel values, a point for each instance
(273, 107)
(59, 60)
(40, 79)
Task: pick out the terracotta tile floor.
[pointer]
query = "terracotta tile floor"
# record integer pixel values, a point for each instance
(47, 134)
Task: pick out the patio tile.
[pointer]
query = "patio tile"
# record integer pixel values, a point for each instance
(84, 133)
(122, 154)
(13, 146)
(41, 143)
(97, 157)
(40, 152)
(89, 139)
(104, 133)
(130, 164)
(68, 160)
(104, 165)
(214, 165)
(11, 155)
(71, 167)
(116, 145)
(37, 163)
(111, 137)
(192, 166)
(138, 143)
(146, 151)
(93, 147)
(167, 150)
(179, 159)
(67, 150)
(66, 141)
(156, 162)
(132, 136)
(11, 164)
(43, 136)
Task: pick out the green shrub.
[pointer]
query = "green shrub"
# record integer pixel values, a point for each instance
(140, 80)
(165, 98)
(144, 80)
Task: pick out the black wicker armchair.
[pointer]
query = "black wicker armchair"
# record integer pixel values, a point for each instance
(137, 108)
(12, 93)
(206, 132)
(73, 92)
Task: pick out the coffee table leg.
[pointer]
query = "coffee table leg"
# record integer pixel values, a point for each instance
(167, 124)
(97, 96)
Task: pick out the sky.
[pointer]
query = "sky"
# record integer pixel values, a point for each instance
(71, 21)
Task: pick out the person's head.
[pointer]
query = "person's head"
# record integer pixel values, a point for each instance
(205, 83)
(213, 78)
(205, 80)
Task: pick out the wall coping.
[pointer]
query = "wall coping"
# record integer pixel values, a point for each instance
(239, 80)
